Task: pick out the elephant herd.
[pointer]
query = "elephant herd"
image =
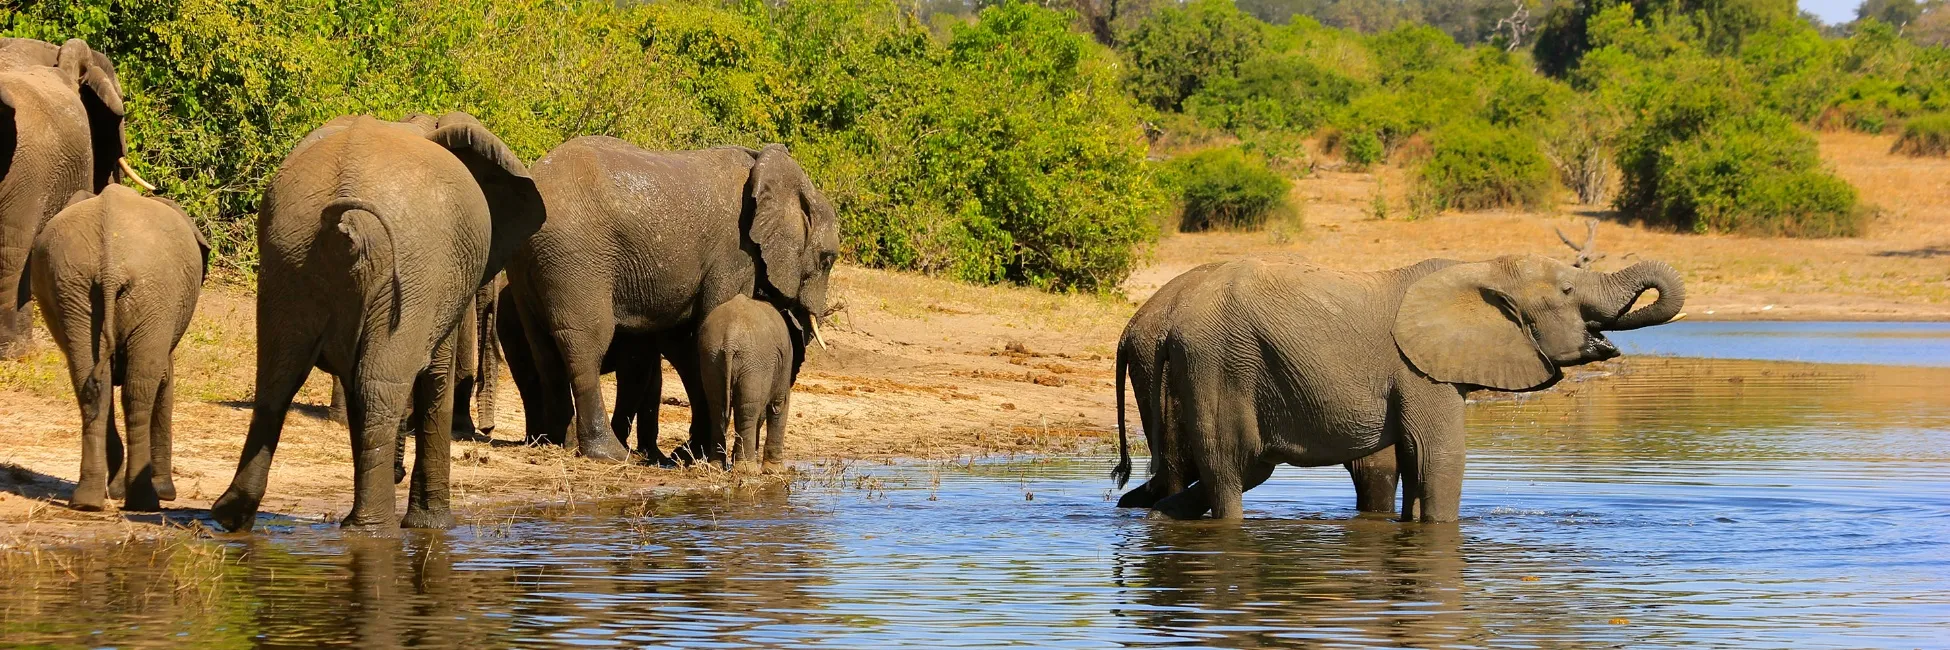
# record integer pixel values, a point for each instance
(384, 244)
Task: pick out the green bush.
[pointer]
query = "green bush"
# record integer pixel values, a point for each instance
(1928, 135)
(1002, 151)
(1225, 188)
(1361, 149)
(1477, 166)
(1176, 51)
(1753, 174)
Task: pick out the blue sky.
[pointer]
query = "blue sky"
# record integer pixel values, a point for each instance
(1832, 11)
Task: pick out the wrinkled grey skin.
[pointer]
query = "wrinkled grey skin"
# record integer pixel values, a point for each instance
(477, 372)
(375, 237)
(60, 133)
(639, 247)
(1140, 357)
(117, 278)
(1261, 364)
(750, 356)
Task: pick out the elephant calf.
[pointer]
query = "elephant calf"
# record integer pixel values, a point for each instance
(750, 358)
(117, 278)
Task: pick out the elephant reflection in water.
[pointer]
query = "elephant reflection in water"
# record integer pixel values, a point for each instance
(1401, 586)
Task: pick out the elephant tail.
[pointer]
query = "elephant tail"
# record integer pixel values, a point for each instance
(108, 285)
(336, 211)
(1122, 473)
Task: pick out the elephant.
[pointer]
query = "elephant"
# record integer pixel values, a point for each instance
(638, 248)
(117, 277)
(375, 237)
(60, 133)
(1139, 357)
(750, 353)
(1265, 363)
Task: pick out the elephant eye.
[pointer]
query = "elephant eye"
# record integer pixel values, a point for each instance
(1567, 288)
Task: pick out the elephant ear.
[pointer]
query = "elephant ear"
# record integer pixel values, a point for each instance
(514, 204)
(202, 244)
(782, 224)
(1457, 327)
(101, 94)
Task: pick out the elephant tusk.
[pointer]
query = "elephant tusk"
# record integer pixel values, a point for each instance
(814, 321)
(130, 172)
(1680, 317)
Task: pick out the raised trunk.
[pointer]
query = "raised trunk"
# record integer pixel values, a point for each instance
(1622, 289)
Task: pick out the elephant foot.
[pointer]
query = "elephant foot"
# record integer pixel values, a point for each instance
(602, 447)
(234, 511)
(772, 467)
(1186, 505)
(117, 487)
(656, 458)
(165, 488)
(682, 456)
(88, 498)
(441, 519)
(142, 501)
(1138, 497)
(365, 521)
(746, 467)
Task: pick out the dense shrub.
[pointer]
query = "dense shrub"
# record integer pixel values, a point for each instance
(1000, 151)
(1225, 188)
(1178, 49)
(1928, 135)
(1752, 173)
(1361, 148)
(1478, 166)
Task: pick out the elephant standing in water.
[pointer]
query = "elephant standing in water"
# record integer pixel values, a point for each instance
(375, 238)
(117, 278)
(60, 133)
(750, 353)
(639, 247)
(1261, 364)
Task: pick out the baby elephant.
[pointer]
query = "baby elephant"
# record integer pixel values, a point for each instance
(117, 278)
(750, 358)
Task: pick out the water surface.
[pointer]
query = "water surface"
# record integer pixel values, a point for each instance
(1893, 344)
(1695, 502)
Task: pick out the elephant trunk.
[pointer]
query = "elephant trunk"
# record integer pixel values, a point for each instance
(1621, 289)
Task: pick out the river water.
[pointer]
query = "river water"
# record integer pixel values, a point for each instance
(1701, 502)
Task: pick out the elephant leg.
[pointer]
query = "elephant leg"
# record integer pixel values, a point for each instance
(94, 392)
(582, 354)
(1374, 481)
(649, 407)
(553, 407)
(466, 368)
(488, 376)
(284, 357)
(776, 416)
(681, 351)
(118, 479)
(520, 358)
(148, 361)
(742, 453)
(428, 503)
(1430, 457)
(375, 405)
(336, 412)
(631, 381)
(162, 436)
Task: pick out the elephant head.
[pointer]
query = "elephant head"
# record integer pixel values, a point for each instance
(796, 231)
(91, 75)
(1511, 323)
